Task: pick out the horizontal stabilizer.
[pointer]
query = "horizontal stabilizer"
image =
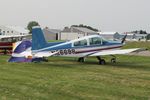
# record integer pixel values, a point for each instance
(19, 59)
(44, 54)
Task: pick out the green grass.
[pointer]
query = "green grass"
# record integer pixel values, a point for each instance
(56, 41)
(137, 45)
(65, 79)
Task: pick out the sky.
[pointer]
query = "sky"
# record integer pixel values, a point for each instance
(105, 15)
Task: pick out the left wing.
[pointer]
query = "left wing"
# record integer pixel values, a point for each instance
(114, 52)
(11, 36)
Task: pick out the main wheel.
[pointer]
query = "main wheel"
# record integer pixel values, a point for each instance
(102, 62)
(81, 59)
(45, 60)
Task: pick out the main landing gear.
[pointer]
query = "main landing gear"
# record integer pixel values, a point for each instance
(103, 62)
(81, 59)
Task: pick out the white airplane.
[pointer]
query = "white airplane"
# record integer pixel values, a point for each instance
(6, 42)
(88, 46)
(10, 38)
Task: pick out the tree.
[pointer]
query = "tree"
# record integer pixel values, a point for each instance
(31, 24)
(85, 26)
(148, 37)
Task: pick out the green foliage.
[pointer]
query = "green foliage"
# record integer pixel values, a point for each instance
(55, 41)
(140, 32)
(31, 24)
(148, 37)
(85, 26)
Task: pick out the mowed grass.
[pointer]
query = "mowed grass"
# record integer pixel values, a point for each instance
(65, 79)
(135, 44)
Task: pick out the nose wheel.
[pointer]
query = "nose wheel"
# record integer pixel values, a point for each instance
(113, 60)
(102, 62)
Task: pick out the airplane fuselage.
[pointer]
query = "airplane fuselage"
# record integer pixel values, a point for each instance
(81, 47)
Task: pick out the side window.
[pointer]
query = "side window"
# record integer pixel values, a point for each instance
(95, 41)
(80, 43)
(104, 41)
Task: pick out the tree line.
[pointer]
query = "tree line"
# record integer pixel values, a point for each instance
(35, 23)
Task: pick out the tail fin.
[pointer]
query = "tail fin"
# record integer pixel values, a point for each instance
(38, 39)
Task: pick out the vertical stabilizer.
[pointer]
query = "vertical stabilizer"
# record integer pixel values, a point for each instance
(38, 39)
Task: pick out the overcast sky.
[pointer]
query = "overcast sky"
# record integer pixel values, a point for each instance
(106, 15)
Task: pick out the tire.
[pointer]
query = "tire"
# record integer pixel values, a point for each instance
(81, 59)
(113, 60)
(102, 62)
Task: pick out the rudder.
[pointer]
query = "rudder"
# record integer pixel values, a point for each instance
(38, 39)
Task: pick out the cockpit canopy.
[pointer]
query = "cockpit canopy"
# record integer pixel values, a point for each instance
(89, 41)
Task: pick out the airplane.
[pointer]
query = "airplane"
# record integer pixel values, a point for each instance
(84, 47)
(6, 42)
(11, 38)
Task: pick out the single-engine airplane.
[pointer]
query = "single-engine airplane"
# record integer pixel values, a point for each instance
(6, 42)
(88, 46)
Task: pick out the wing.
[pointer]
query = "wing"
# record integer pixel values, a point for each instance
(12, 36)
(115, 52)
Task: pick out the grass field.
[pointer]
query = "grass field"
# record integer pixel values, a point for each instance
(137, 45)
(65, 79)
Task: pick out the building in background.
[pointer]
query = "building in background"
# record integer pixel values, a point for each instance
(13, 33)
(13, 30)
(131, 36)
(137, 35)
(75, 33)
(51, 34)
